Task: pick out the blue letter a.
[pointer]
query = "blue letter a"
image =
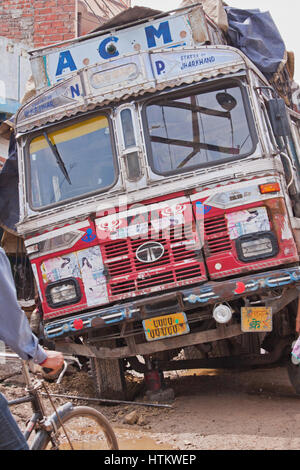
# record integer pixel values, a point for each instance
(163, 30)
(65, 61)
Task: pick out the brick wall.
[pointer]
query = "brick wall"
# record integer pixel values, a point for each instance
(54, 21)
(37, 22)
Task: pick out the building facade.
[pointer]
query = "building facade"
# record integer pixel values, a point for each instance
(42, 22)
(92, 13)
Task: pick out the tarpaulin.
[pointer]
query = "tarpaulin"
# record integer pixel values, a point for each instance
(9, 191)
(256, 35)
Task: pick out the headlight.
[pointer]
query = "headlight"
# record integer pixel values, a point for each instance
(62, 293)
(222, 314)
(257, 246)
(51, 245)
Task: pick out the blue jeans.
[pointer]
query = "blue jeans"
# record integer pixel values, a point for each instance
(11, 437)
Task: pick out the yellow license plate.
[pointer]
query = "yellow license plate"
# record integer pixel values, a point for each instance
(256, 319)
(166, 326)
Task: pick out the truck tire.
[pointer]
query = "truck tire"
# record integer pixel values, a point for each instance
(192, 352)
(246, 343)
(108, 376)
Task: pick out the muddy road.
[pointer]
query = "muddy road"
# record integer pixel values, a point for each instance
(213, 410)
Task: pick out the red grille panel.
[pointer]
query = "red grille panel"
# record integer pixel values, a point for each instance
(181, 263)
(185, 273)
(122, 287)
(216, 234)
(156, 279)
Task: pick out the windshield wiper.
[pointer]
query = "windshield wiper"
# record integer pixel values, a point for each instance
(58, 158)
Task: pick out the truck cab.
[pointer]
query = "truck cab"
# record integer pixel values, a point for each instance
(158, 191)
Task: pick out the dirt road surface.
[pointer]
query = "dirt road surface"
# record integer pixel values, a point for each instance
(212, 410)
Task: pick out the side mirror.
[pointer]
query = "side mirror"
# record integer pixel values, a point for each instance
(279, 117)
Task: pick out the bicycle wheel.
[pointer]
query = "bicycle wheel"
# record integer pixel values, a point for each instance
(86, 428)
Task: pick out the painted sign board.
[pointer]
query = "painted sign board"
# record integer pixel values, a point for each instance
(67, 94)
(179, 29)
(134, 73)
(186, 62)
(169, 32)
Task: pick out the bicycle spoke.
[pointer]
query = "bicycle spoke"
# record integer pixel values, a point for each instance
(86, 429)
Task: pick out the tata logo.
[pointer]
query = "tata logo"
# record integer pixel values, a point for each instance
(150, 252)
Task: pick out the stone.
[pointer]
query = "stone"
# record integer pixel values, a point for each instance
(143, 421)
(131, 418)
(15, 380)
(9, 369)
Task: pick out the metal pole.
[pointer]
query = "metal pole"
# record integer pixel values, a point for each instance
(104, 400)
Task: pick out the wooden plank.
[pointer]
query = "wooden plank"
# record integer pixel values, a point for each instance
(153, 347)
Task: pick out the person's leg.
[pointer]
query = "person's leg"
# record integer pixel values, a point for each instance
(11, 437)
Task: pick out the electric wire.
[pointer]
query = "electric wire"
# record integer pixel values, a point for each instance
(89, 7)
(118, 3)
(99, 18)
(291, 169)
(99, 23)
(100, 7)
(123, 3)
(107, 7)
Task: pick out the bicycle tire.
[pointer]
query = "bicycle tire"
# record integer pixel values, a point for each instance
(43, 438)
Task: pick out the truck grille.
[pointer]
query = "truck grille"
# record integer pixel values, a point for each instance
(216, 236)
(180, 264)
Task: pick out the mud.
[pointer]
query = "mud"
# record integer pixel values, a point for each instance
(212, 410)
(127, 440)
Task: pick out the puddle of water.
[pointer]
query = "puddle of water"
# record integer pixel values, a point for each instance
(128, 440)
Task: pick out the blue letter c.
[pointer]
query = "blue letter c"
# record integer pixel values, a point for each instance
(102, 48)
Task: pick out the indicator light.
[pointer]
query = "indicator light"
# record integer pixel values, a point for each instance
(240, 288)
(32, 249)
(78, 324)
(269, 188)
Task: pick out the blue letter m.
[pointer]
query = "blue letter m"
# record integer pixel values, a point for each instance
(163, 30)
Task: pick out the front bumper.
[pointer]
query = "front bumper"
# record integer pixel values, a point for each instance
(181, 300)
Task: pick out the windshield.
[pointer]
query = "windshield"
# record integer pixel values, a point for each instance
(198, 130)
(71, 161)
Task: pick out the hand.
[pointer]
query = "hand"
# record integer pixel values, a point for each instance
(54, 361)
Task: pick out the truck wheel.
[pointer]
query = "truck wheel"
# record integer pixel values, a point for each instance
(108, 375)
(294, 376)
(192, 352)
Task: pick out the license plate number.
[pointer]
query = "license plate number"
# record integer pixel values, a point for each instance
(166, 326)
(256, 319)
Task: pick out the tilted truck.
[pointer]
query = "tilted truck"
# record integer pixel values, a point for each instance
(159, 183)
